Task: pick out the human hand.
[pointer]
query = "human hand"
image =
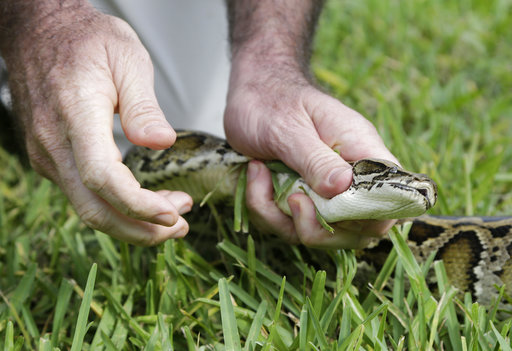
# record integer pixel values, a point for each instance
(70, 69)
(274, 112)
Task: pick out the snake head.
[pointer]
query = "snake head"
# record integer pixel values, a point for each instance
(377, 173)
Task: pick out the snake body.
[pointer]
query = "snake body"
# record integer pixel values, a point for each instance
(476, 251)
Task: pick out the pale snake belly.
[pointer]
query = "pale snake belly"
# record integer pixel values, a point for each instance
(475, 250)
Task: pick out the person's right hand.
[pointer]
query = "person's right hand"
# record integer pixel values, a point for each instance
(70, 69)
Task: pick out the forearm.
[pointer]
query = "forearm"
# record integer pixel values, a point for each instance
(22, 20)
(269, 30)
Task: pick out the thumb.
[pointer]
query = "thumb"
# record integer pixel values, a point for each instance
(322, 168)
(141, 117)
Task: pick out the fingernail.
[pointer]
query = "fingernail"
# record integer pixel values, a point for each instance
(156, 127)
(253, 171)
(181, 233)
(184, 209)
(294, 207)
(166, 219)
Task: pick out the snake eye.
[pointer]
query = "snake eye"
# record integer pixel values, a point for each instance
(370, 166)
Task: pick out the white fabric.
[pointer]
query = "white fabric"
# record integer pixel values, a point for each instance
(188, 44)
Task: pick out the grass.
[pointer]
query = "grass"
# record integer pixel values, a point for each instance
(434, 77)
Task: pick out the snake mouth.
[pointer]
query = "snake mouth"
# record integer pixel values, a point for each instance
(426, 193)
(423, 192)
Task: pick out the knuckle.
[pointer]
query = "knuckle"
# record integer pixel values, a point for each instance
(138, 57)
(126, 35)
(144, 58)
(39, 165)
(275, 129)
(317, 163)
(290, 237)
(95, 176)
(131, 211)
(135, 209)
(255, 203)
(383, 228)
(147, 240)
(277, 142)
(142, 109)
(121, 24)
(309, 240)
(94, 217)
(160, 234)
(35, 157)
(380, 233)
(42, 134)
(361, 243)
(43, 157)
(39, 131)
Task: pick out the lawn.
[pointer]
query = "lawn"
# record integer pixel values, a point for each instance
(435, 77)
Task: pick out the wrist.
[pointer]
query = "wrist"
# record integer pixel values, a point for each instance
(256, 72)
(265, 32)
(269, 52)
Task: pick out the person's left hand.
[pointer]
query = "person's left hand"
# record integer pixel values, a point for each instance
(273, 112)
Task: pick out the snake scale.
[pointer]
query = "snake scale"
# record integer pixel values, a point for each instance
(476, 251)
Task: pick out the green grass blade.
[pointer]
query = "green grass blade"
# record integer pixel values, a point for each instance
(107, 342)
(29, 322)
(240, 255)
(240, 221)
(81, 323)
(504, 344)
(319, 216)
(191, 345)
(317, 328)
(45, 344)
(229, 325)
(256, 325)
(345, 325)
(108, 249)
(303, 331)
(381, 345)
(219, 183)
(410, 264)
(166, 338)
(275, 321)
(24, 288)
(384, 274)
(61, 308)
(353, 342)
(9, 337)
(317, 295)
(124, 312)
(153, 339)
(318, 291)
(452, 322)
(330, 311)
(251, 264)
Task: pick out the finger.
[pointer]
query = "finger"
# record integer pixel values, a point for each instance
(371, 228)
(320, 166)
(338, 128)
(99, 165)
(141, 117)
(348, 132)
(181, 200)
(312, 234)
(260, 202)
(100, 215)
